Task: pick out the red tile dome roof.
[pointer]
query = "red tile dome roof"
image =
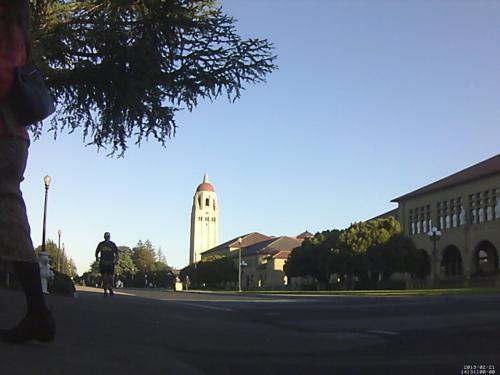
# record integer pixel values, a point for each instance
(205, 186)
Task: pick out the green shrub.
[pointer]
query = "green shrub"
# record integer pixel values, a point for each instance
(62, 284)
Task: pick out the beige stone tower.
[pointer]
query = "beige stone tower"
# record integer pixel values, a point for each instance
(204, 221)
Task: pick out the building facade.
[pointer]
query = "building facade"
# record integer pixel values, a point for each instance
(264, 263)
(204, 221)
(263, 258)
(465, 208)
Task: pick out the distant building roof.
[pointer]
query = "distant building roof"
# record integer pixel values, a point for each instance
(393, 213)
(282, 255)
(272, 246)
(305, 235)
(483, 169)
(246, 240)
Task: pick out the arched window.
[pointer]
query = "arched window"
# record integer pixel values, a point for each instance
(462, 215)
(207, 202)
(489, 213)
(481, 215)
(483, 257)
(473, 218)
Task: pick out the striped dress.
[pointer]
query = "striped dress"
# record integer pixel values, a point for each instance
(15, 238)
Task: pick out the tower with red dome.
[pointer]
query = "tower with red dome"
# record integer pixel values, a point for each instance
(204, 221)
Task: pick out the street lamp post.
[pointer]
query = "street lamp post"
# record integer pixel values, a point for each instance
(64, 252)
(46, 181)
(434, 235)
(239, 264)
(195, 274)
(59, 232)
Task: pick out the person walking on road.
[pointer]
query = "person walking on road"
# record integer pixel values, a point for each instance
(16, 246)
(106, 255)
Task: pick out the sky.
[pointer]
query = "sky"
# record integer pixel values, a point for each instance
(372, 100)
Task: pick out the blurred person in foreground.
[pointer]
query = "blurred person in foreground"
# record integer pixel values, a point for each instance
(16, 247)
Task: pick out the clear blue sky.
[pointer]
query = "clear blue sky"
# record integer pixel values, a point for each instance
(372, 99)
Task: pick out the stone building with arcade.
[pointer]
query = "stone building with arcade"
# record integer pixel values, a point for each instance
(465, 208)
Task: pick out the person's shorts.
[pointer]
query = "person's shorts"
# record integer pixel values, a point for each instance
(107, 269)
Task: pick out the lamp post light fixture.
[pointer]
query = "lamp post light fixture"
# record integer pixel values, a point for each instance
(240, 240)
(59, 232)
(46, 181)
(434, 235)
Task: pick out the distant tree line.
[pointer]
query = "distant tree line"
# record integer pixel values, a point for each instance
(139, 267)
(213, 272)
(365, 255)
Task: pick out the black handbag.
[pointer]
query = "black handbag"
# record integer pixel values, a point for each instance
(29, 97)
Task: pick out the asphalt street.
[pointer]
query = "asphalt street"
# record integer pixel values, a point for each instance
(163, 332)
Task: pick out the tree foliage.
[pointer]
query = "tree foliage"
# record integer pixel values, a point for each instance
(375, 248)
(313, 257)
(58, 260)
(125, 264)
(121, 69)
(398, 254)
(213, 272)
(362, 235)
(136, 267)
(144, 256)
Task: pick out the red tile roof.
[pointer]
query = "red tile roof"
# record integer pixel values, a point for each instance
(483, 169)
(282, 255)
(305, 235)
(246, 240)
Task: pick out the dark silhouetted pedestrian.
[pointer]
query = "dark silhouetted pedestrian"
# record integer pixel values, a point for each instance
(107, 256)
(16, 247)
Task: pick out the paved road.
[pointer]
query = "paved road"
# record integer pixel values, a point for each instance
(158, 332)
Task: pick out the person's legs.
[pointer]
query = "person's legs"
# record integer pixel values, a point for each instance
(105, 284)
(16, 245)
(104, 276)
(29, 277)
(110, 284)
(38, 324)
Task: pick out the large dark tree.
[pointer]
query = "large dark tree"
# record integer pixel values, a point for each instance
(120, 69)
(313, 257)
(213, 272)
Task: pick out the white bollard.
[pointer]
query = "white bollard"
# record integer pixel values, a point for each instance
(45, 272)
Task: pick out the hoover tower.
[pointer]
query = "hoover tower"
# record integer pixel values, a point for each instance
(204, 221)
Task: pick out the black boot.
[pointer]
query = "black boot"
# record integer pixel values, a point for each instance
(33, 327)
(38, 324)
